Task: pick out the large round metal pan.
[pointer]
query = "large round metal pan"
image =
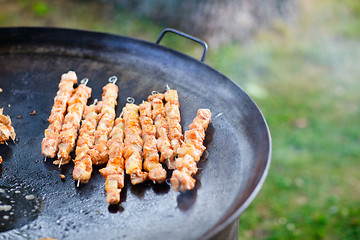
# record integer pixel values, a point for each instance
(232, 170)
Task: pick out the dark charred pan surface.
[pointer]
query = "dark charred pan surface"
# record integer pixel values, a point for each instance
(232, 169)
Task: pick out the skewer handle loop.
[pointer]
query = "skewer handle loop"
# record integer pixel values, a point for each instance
(113, 79)
(130, 100)
(203, 43)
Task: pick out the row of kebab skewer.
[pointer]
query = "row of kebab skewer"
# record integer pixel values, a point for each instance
(139, 142)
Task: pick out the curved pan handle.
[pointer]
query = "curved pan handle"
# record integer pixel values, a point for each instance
(203, 43)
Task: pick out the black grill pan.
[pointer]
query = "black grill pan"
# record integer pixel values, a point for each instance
(231, 173)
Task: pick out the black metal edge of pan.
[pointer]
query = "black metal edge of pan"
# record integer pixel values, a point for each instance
(243, 202)
(240, 205)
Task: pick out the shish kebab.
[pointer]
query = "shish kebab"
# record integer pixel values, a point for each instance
(172, 112)
(106, 108)
(114, 170)
(82, 162)
(151, 156)
(133, 144)
(190, 152)
(71, 125)
(49, 145)
(162, 130)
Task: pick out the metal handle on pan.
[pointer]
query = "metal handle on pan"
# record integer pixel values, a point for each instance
(203, 43)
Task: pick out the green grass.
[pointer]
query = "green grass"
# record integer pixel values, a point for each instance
(307, 85)
(305, 78)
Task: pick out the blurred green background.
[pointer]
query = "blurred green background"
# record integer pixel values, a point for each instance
(305, 77)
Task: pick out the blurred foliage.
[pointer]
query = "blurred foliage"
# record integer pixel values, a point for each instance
(305, 78)
(40, 8)
(310, 76)
(350, 10)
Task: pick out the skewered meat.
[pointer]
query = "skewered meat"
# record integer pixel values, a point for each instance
(190, 152)
(143, 132)
(133, 144)
(114, 170)
(6, 130)
(82, 163)
(99, 153)
(49, 145)
(161, 125)
(151, 163)
(71, 125)
(173, 119)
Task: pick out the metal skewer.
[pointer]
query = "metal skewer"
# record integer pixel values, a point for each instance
(60, 162)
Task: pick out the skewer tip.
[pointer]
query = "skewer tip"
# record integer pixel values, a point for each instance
(60, 162)
(78, 183)
(174, 196)
(167, 181)
(45, 159)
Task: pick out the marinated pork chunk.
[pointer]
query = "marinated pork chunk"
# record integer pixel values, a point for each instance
(6, 130)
